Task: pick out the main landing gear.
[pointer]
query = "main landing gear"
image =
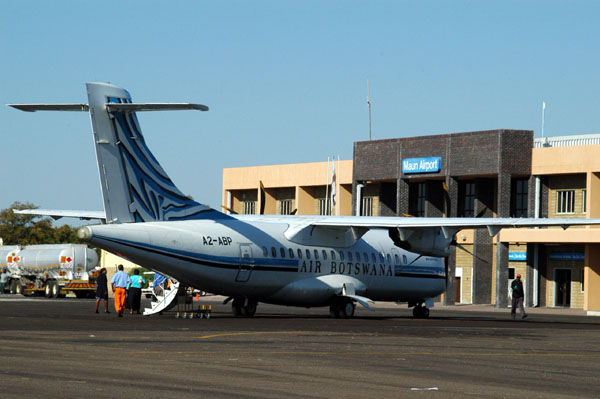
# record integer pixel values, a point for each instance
(420, 311)
(342, 308)
(243, 307)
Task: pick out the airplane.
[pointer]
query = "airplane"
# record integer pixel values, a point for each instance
(299, 260)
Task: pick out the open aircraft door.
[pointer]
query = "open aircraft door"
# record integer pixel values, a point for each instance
(246, 263)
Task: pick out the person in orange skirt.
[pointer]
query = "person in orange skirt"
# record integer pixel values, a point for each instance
(119, 284)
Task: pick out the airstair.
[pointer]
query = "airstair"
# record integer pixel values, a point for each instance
(164, 297)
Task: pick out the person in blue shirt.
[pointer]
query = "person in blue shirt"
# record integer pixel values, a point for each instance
(119, 284)
(135, 291)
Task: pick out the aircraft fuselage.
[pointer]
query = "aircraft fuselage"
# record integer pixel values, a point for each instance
(255, 260)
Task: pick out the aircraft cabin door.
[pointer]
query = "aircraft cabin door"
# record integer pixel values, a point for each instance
(246, 263)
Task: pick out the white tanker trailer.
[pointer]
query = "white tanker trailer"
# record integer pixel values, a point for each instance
(51, 270)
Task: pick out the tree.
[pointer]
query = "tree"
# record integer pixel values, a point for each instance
(17, 229)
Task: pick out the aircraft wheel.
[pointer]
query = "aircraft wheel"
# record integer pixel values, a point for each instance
(420, 312)
(250, 309)
(347, 309)
(236, 306)
(342, 308)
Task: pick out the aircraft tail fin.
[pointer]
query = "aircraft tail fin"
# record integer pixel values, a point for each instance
(135, 187)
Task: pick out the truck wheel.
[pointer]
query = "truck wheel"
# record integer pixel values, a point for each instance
(19, 289)
(81, 294)
(13, 287)
(48, 290)
(55, 289)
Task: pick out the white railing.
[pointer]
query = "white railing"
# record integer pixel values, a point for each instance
(566, 141)
(164, 301)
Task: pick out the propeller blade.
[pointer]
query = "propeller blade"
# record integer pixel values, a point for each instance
(262, 198)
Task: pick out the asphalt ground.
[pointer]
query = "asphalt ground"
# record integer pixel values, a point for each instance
(51, 348)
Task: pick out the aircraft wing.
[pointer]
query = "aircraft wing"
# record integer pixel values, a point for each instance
(344, 230)
(57, 214)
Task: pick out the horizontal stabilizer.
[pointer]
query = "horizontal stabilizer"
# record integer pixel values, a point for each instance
(57, 214)
(138, 107)
(50, 107)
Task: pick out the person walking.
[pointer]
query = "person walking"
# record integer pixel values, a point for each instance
(119, 284)
(3, 280)
(517, 298)
(135, 291)
(102, 290)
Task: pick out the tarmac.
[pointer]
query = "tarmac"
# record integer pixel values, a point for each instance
(61, 348)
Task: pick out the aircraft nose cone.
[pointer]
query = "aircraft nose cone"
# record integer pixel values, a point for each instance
(84, 233)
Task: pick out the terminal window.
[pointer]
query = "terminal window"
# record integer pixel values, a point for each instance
(565, 201)
(285, 207)
(466, 192)
(367, 206)
(324, 207)
(519, 198)
(249, 207)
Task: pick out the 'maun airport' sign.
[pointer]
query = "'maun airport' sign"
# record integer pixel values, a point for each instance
(422, 165)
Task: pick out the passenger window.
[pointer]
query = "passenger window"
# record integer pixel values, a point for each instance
(397, 259)
(332, 254)
(265, 251)
(389, 258)
(357, 256)
(373, 257)
(405, 259)
(366, 256)
(349, 256)
(299, 253)
(273, 252)
(308, 254)
(316, 254)
(291, 251)
(282, 252)
(381, 258)
(342, 256)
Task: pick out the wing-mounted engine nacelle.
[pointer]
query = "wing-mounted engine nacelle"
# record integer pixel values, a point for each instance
(423, 241)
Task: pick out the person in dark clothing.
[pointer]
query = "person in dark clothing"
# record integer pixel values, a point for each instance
(135, 292)
(517, 297)
(102, 290)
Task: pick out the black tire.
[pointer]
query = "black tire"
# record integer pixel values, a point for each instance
(346, 309)
(420, 312)
(236, 306)
(13, 287)
(48, 290)
(250, 309)
(55, 288)
(19, 289)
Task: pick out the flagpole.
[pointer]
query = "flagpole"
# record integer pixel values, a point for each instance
(369, 104)
(543, 115)
(327, 189)
(337, 190)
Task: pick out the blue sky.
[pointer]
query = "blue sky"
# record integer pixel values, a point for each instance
(285, 81)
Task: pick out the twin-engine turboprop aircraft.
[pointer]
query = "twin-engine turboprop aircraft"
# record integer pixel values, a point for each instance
(305, 261)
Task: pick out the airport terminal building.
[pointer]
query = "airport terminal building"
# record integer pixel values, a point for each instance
(497, 173)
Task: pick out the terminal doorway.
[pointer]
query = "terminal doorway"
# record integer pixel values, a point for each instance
(562, 287)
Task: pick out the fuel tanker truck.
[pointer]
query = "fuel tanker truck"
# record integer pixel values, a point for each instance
(52, 270)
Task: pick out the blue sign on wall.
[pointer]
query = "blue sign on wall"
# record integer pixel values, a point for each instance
(422, 165)
(567, 256)
(517, 256)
